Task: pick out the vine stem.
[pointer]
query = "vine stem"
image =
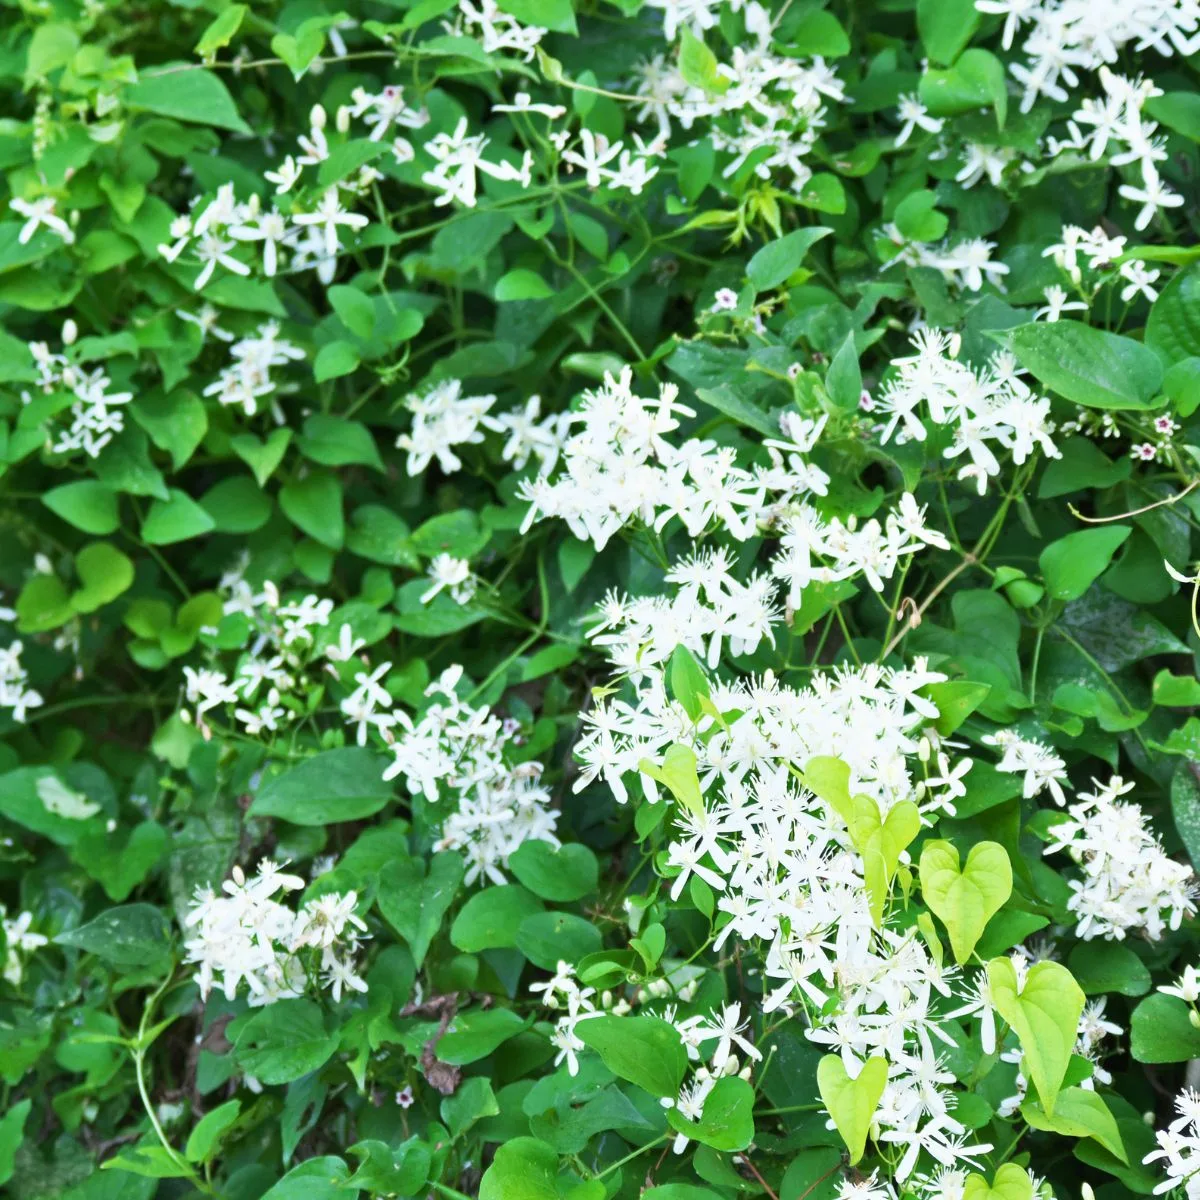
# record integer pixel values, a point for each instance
(914, 619)
(138, 1051)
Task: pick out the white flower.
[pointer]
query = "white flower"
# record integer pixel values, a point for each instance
(37, 213)
(328, 216)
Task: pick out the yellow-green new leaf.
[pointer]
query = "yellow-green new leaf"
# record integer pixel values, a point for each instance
(678, 774)
(1011, 1183)
(1044, 1014)
(852, 1102)
(967, 899)
(1078, 1113)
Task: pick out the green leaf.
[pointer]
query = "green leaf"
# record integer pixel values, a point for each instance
(644, 1050)
(220, 32)
(524, 1168)
(976, 80)
(727, 1120)
(1173, 326)
(550, 937)
(262, 457)
(1078, 1113)
(559, 873)
(1179, 111)
(678, 775)
(323, 1178)
(336, 442)
(490, 919)
(134, 935)
(879, 841)
(1044, 1014)
(86, 504)
(843, 380)
(104, 574)
(474, 1034)
(1101, 967)
(698, 64)
(1089, 366)
(355, 309)
(818, 32)
(206, 1136)
(946, 27)
(851, 1103)
(314, 505)
(687, 680)
(1176, 691)
(334, 360)
(458, 533)
(522, 284)
(916, 217)
(1161, 1031)
(414, 902)
(965, 900)
(12, 1134)
(175, 519)
(237, 505)
(779, 260)
(556, 15)
(283, 1041)
(43, 603)
(1073, 563)
(345, 784)
(183, 91)
(1011, 1182)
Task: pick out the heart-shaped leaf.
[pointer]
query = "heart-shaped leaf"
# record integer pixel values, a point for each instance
(852, 1102)
(1011, 1183)
(879, 841)
(965, 900)
(1044, 1013)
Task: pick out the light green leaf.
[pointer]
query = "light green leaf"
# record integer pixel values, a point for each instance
(965, 900)
(1078, 1113)
(851, 1103)
(1044, 1014)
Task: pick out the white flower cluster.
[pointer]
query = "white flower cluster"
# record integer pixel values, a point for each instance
(1069, 37)
(1129, 882)
(965, 264)
(618, 466)
(444, 418)
(463, 754)
(304, 238)
(15, 692)
(245, 935)
(1041, 767)
(1118, 119)
(772, 109)
(1179, 1147)
(784, 872)
(1101, 253)
(19, 941)
(263, 688)
(247, 379)
(988, 406)
(96, 412)
(497, 30)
